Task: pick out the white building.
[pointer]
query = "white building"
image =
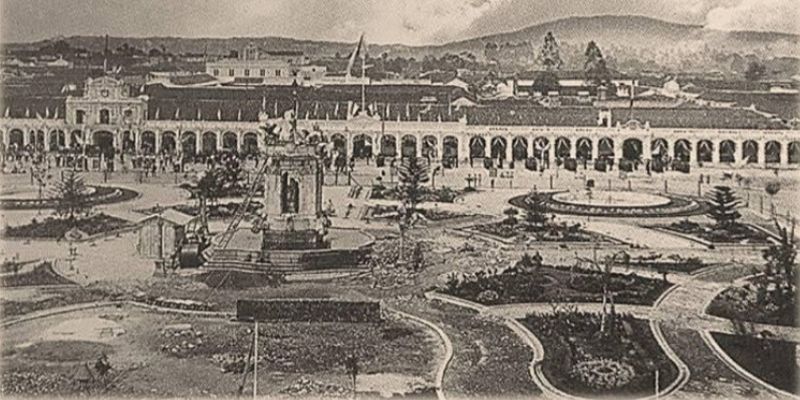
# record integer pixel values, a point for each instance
(269, 67)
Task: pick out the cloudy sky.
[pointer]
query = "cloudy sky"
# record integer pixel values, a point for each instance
(384, 21)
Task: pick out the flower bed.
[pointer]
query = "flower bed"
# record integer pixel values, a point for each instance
(99, 195)
(390, 212)
(547, 233)
(581, 361)
(740, 303)
(547, 283)
(55, 228)
(736, 234)
(41, 275)
(438, 195)
(215, 211)
(677, 206)
(772, 361)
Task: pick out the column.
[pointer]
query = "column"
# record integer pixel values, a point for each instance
(551, 153)
(531, 147)
(440, 146)
(762, 153)
(67, 138)
(418, 147)
(488, 149)
(573, 148)
(716, 144)
(595, 148)
(618, 149)
(26, 138)
(740, 152)
(693, 145)
(784, 154)
(157, 150)
(219, 141)
(647, 149)
(137, 141)
(198, 141)
(47, 140)
(509, 149)
(349, 144)
(116, 139)
(239, 138)
(670, 147)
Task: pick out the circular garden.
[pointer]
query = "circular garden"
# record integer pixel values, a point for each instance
(95, 195)
(621, 204)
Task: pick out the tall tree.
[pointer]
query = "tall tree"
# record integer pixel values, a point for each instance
(550, 54)
(70, 196)
(722, 205)
(413, 172)
(595, 66)
(778, 287)
(755, 71)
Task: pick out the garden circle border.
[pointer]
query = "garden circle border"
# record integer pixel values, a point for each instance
(103, 195)
(678, 206)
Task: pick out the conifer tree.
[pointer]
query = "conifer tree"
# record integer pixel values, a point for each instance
(722, 205)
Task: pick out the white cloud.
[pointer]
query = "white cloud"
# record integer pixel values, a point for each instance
(756, 15)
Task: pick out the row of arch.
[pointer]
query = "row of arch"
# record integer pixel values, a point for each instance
(189, 142)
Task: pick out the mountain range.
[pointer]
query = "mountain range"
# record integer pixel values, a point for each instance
(628, 42)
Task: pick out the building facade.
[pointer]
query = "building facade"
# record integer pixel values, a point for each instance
(108, 117)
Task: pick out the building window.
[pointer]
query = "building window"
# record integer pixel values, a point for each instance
(230, 72)
(104, 116)
(80, 116)
(216, 72)
(263, 72)
(277, 72)
(247, 72)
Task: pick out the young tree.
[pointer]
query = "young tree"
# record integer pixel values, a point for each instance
(535, 214)
(511, 215)
(778, 286)
(755, 71)
(722, 205)
(70, 195)
(413, 173)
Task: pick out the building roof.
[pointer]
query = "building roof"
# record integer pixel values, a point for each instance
(170, 215)
(45, 107)
(784, 105)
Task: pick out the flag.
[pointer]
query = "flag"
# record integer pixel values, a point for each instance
(158, 113)
(56, 114)
(27, 112)
(199, 115)
(263, 103)
(408, 110)
(336, 109)
(219, 114)
(388, 111)
(177, 113)
(8, 112)
(359, 52)
(239, 116)
(275, 115)
(47, 112)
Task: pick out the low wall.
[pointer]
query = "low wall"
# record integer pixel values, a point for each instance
(307, 310)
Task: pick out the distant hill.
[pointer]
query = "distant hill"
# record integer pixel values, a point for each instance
(630, 43)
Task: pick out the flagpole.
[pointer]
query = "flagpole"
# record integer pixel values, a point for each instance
(255, 360)
(363, 75)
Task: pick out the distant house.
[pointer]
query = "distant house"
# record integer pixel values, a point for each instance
(161, 235)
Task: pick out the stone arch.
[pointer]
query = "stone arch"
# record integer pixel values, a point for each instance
(189, 143)
(362, 146)
(794, 152)
(450, 147)
(16, 138)
(584, 148)
(104, 141)
(727, 151)
(58, 140)
(682, 150)
(169, 142)
(750, 151)
(230, 141)
(519, 148)
(408, 146)
(104, 117)
(477, 147)
(430, 146)
(632, 149)
(77, 139)
(563, 147)
(605, 148)
(705, 151)
(499, 146)
(659, 148)
(209, 142)
(128, 142)
(39, 143)
(388, 146)
(250, 143)
(147, 142)
(772, 152)
(339, 143)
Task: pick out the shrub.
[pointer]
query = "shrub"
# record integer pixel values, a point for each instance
(487, 296)
(603, 373)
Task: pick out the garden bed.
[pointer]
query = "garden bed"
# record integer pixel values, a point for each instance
(550, 232)
(56, 228)
(581, 361)
(438, 195)
(772, 361)
(736, 234)
(41, 275)
(676, 207)
(215, 211)
(740, 303)
(99, 195)
(390, 212)
(548, 283)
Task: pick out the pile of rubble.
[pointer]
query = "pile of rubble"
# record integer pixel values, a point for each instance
(304, 387)
(182, 339)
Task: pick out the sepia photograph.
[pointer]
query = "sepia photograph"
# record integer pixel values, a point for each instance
(405, 199)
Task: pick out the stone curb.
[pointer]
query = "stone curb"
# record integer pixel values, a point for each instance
(448, 350)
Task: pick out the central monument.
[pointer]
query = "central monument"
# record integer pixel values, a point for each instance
(293, 218)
